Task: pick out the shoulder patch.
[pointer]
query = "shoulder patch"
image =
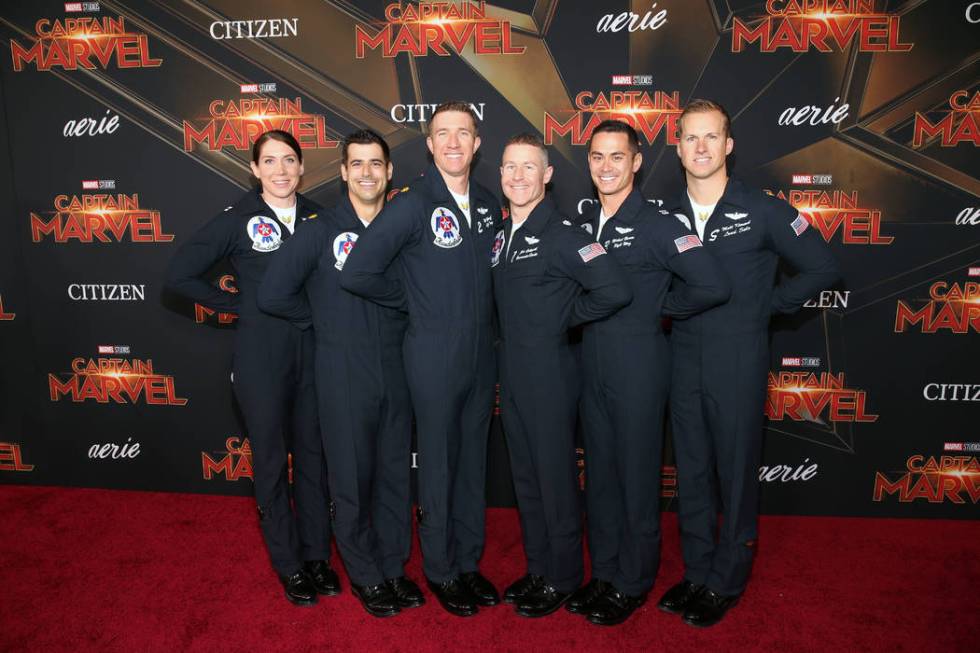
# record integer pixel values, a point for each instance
(800, 224)
(685, 243)
(591, 251)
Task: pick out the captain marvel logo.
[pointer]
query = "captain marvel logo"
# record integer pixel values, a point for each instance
(445, 226)
(264, 234)
(498, 247)
(343, 245)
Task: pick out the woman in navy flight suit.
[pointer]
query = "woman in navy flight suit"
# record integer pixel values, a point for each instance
(273, 366)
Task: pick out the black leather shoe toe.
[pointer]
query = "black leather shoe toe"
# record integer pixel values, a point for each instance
(406, 591)
(378, 600)
(520, 587)
(482, 589)
(454, 597)
(708, 608)
(324, 578)
(299, 588)
(581, 600)
(614, 608)
(677, 598)
(541, 601)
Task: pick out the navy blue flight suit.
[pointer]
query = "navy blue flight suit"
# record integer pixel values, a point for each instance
(366, 415)
(538, 283)
(627, 375)
(720, 362)
(273, 375)
(444, 268)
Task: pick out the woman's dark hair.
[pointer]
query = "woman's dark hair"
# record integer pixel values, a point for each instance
(276, 135)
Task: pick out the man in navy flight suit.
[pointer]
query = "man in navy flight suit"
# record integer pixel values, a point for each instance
(273, 364)
(366, 417)
(548, 276)
(721, 358)
(437, 236)
(627, 375)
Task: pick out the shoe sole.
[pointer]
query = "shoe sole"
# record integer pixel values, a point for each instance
(669, 610)
(302, 603)
(542, 614)
(712, 623)
(328, 592)
(590, 619)
(408, 605)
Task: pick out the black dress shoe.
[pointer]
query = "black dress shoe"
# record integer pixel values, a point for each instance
(581, 600)
(406, 591)
(454, 597)
(299, 588)
(708, 608)
(378, 600)
(541, 600)
(482, 589)
(520, 587)
(614, 608)
(677, 598)
(324, 578)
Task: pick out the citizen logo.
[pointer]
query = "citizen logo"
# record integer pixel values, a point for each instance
(829, 299)
(107, 292)
(951, 392)
(401, 113)
(265, 28)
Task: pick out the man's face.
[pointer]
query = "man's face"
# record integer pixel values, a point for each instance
(523, 175)
(453, 141)
(366, 172)
(704, 144)
(612, 163)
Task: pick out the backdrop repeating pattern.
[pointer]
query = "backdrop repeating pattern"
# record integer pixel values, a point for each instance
(128, 123)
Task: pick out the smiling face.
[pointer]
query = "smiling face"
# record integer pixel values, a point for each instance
(613, 164)
(524, 174)
(278, 170)
(704, 144)
(453, 142)
(366, 172)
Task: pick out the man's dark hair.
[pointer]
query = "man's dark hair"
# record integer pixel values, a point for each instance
(364, 137)
(616, 127)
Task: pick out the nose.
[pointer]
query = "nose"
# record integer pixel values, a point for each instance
(453, 140)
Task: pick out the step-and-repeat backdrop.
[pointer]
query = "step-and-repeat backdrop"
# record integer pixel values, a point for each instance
(128, 123)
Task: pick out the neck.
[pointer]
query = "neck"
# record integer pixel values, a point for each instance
(279, 202)
(611, 203)
(366, 211)
(459, 185)
(707, 191)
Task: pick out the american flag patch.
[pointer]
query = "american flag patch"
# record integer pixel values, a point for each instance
(685, 243)
(590, 252)
(799, 224)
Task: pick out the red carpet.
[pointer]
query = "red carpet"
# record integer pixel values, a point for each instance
(95, 570)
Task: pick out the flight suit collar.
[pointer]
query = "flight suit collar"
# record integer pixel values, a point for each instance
(439, 191)
(733, 198)
(540, 217)
(253, 204)
(347, 216)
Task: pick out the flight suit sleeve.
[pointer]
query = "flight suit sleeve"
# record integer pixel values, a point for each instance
(365, 270)
(282, 291)
(705, 283)
(605, 284)
(211, 243)
(791, 237)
